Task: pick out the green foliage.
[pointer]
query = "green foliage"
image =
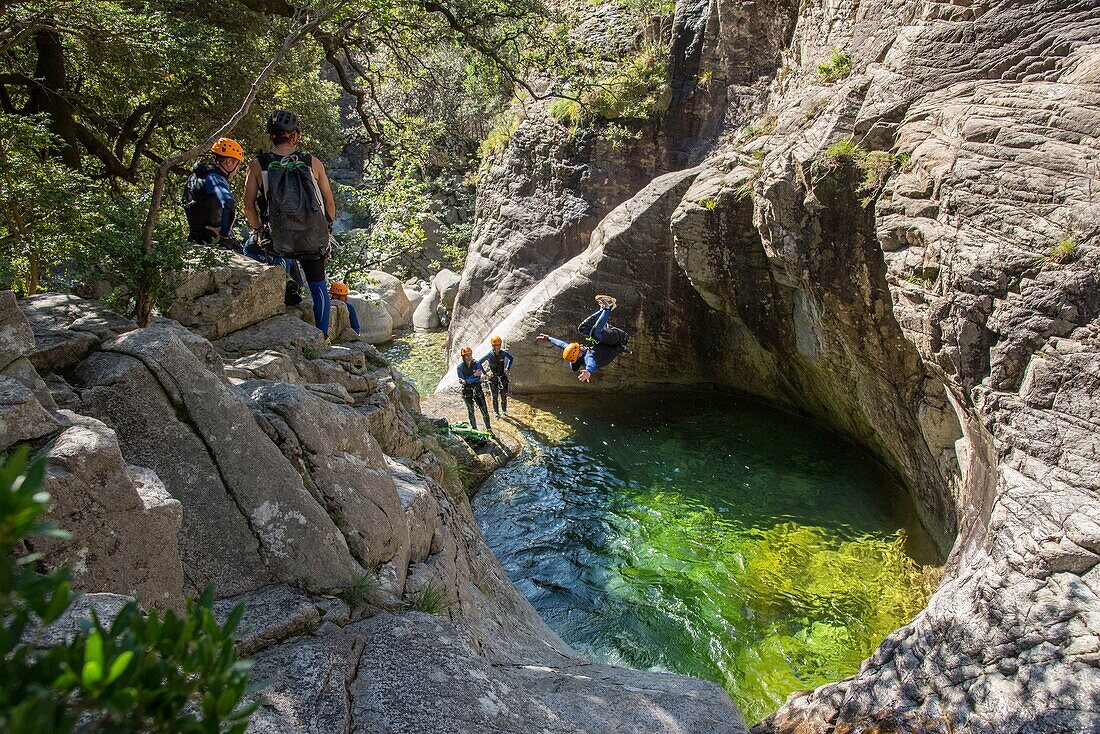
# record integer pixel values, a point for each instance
(923, 277)
(709, 204)
(567, 111)
(310, 352)
(140, 674)
(635, 88)
(1066, 251)
(456, 243)
(497, 139)
(839, 66)
(432, 599)
(876, 165)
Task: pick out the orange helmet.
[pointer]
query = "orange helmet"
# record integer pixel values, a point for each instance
(466, 352)
(571, 352)
(338, 289)
(496, 341)
(228, 148)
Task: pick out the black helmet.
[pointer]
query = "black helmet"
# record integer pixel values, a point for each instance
(282, 121)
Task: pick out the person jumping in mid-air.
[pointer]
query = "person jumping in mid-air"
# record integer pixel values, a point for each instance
(469, 374)
(496, 364)
(603, 342)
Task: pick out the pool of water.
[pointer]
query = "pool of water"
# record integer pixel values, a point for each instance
(420, 357)
(709, 536)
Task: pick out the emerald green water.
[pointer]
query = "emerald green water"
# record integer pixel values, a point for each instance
(420, 357)
(707, 536)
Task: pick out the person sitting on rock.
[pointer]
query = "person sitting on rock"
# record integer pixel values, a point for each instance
(208, 201)
(339, 292)
(603, 342)
(469, 374)
(496, 364)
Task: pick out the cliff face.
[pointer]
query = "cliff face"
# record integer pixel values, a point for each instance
(898, 236)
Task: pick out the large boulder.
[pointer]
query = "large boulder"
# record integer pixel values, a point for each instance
(22, 417)
(375, 322)
(67, 328)
(446, 283)
(16, 337)
(227, 297)
(426, 315)
(122, 522)
(392, 292)
(345, 466)
(248, 518)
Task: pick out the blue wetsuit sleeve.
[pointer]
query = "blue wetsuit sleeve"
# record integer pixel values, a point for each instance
(558, 343)
(461, 377)
(508, 359)
(590, 361)
(354, 318)
(218, 187)
(480, 361)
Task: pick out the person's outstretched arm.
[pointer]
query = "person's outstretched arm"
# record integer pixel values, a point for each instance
(556, 342)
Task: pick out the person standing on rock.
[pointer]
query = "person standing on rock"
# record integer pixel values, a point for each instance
(496, 364)
(208, 201)
(603, 342)
(469, 374)
(339, 292)
(288, 192)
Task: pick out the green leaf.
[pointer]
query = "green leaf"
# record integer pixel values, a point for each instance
(118, 667)
(93, 650)
(92, 674)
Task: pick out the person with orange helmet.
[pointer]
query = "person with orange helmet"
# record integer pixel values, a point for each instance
(496, 365)
(469, 374)
(207, 199)
(602, 342)
(339, 292)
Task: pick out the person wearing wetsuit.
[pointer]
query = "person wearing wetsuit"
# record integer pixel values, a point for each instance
(208, 201)
(602, 342)
(469, 374)
(497, 363)
(285, 134)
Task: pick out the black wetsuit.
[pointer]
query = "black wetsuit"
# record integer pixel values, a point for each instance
(472, 392)
(498, 363)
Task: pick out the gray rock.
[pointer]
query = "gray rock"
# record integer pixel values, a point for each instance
(284, 334)
(297, 539)
(228, 297)
(22, 417)
(346, 467)
(422, 512)
(392, 293)
(16, 337)
(446, 283)
(271, 615)
(375, 322)
(65, 628)
(459, 690)
(122, 522)
(267, 365)
(67, 328)
(426, 315)
(308, 684)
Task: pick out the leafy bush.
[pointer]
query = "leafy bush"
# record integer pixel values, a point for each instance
(567, 111)
(877, 165)
(140, 674)
(839, 66)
